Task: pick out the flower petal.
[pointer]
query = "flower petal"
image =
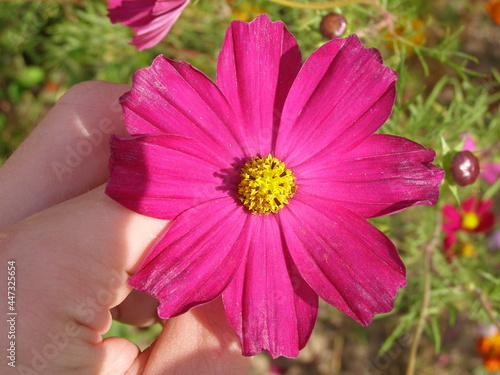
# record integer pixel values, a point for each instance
(469, 143)
(157, 25)
(453, 218)
(341, 96)
(383, 175)
(268, 303)
(176, 98)
(162, 175)
(449, 240)
(345, 259)
(150, 19)
(196, 258)
(162, 6)
(470, 204)
(490, 172)
(487, 222)
(154, 31)
(482, 206)
(129, 12)
(257, 65)
(114, 3)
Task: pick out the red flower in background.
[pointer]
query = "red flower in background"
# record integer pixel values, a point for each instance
(474, 216)
(151, 20)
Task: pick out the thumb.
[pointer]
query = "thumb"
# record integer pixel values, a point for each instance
(200, 341)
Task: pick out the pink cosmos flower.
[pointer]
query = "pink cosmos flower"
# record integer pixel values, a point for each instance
(151, 20)
(268, 176)
(474, 216)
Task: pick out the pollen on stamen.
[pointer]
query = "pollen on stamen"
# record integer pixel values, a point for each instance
(470, 220)
(266, 185)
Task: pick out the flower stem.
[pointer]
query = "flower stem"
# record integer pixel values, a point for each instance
(388, 18)
(410, 369)
(316, 6)
(492, 190)
(486, 304)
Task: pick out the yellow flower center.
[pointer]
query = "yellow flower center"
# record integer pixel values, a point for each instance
(467, 250)
(266, 185)
(470, 221)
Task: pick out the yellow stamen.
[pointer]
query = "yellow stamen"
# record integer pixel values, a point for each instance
(266, 185)
(470, 220)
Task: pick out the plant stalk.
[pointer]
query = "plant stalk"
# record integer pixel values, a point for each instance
(319, 6)
(429, 249)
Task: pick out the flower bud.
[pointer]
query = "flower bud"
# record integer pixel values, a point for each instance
(333, 26)
(464, 168)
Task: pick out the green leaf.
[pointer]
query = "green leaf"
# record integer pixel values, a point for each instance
(492, 190)
(436, 335)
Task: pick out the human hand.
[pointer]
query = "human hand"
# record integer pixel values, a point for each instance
(72, 249)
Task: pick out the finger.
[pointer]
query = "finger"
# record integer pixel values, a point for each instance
(53, 165)
(200, 341)
(65, 155)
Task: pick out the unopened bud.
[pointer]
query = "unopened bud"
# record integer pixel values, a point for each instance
(464, 168)
(333, 26)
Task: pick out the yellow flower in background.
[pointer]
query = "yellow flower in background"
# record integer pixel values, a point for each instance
(245, 11)
(467, 250)
(410, 30)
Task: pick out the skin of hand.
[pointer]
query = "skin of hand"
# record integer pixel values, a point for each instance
(73, 249)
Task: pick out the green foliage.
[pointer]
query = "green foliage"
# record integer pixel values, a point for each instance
(142, 337)
(85, 45)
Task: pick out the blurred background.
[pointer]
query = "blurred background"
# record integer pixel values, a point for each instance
(447, 55)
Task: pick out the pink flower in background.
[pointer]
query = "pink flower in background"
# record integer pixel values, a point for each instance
(494, 241)
(268, 176)
(151, 20)
(473, 216)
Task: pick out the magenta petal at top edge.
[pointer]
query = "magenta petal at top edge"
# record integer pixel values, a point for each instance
(151, 20)
(269, 176)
